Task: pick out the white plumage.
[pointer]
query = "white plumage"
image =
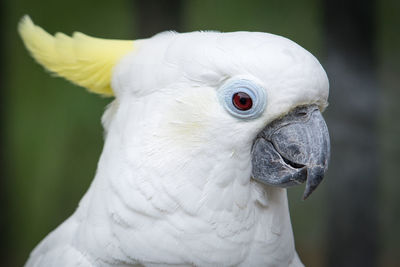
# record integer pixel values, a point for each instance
(173, 185)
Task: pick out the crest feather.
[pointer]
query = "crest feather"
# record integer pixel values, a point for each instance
(81, 59)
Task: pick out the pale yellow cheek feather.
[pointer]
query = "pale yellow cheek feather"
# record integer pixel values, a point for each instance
(81, 59)
(188, 119)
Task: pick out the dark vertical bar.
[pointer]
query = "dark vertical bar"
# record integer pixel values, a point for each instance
(4, 207)
(350, 63)
(154, 16)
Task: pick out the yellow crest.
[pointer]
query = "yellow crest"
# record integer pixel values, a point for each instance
(81, 59)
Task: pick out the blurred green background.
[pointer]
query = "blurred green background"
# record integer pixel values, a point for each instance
(51, 136)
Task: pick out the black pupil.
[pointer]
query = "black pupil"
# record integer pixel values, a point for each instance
(243, 100)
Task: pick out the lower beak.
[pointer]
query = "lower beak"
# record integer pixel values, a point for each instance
(292, 150)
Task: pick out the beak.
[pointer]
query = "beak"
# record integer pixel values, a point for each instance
(292, 150)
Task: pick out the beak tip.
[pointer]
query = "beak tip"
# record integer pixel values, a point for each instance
(305, 195)
(313, 180)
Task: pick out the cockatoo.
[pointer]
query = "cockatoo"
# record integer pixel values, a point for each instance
(204, 135)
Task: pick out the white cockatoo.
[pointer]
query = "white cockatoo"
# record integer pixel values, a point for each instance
(206, 131)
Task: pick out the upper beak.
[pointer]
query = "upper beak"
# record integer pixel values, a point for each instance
(292, 150)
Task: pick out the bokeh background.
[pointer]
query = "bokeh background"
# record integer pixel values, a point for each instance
(51, 136)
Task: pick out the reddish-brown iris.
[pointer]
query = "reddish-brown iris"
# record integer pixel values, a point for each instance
(242, 101)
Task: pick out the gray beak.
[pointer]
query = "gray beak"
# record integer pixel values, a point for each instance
(292, 150)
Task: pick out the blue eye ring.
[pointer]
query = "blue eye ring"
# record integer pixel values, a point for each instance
(254, 91)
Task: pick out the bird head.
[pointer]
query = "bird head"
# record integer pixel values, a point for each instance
(246, 104)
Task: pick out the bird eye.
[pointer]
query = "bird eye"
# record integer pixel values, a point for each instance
(242, 101)
(243, 98)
